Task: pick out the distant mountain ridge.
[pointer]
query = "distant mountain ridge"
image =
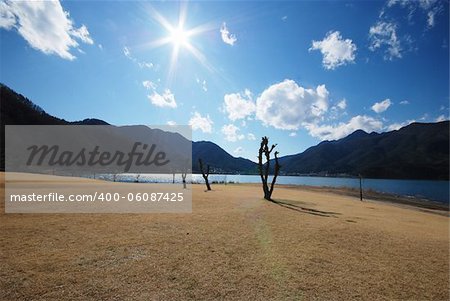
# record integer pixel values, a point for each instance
(220, 160)
(17, 109)
(417, 151)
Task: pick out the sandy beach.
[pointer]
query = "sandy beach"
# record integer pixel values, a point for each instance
(316, 245)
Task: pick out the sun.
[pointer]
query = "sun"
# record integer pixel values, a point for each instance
(179, 37)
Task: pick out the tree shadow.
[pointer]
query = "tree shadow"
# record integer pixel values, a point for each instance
(301, 209)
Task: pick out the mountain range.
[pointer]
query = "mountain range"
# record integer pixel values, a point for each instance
(417, 151)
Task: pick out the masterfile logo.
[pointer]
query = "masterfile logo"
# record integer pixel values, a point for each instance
(79, 149)
(80, 169)
(141, 154)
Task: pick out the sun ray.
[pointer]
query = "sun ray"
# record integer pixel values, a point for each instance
(157, 43)
(202, 29)
(182, 14)
(200, 57)
(173, 64)
(160, 19)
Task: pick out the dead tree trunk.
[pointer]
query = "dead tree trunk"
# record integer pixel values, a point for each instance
(265, 169)
(205, 175)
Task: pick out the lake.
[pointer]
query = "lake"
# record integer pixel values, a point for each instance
(431, 190)
(425, 189)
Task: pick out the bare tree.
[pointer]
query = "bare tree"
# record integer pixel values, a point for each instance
(265, 168)
(205, 175)
(183, 177)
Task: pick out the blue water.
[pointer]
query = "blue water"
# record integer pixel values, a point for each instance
(430, 190)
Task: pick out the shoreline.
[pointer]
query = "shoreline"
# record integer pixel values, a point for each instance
(418, 200)
(368, 195)
(371, 195)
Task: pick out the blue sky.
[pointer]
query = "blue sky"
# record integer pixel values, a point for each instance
(299, 72)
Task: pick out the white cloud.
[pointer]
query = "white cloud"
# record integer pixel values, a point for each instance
(166, 99)
(231, 133)
(395, 126)
(396, 26)
(393, 2)
(293, 134)
(384, 34)
(381, 106)
(333, 132)
(441, 118)
(404, 102)
(202, 84)
(239, 150)
(127, 52)
(204, 88)
(424, 117)
(342, 104)
(338, 110)
(430, 19)
(335, 50)
(142, 64)
(149, 85)
(44, 25)
(82, 34)
(250, 136)
(432, 11)
(171, 123)
(227, 37)
(286, 105)
(198, 122)
(239, 106)
(7, 17)
(429, 7)
(399, 125)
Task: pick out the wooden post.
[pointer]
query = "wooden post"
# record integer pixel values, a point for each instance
(360, 188)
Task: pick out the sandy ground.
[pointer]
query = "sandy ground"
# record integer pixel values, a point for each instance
(233, 246)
